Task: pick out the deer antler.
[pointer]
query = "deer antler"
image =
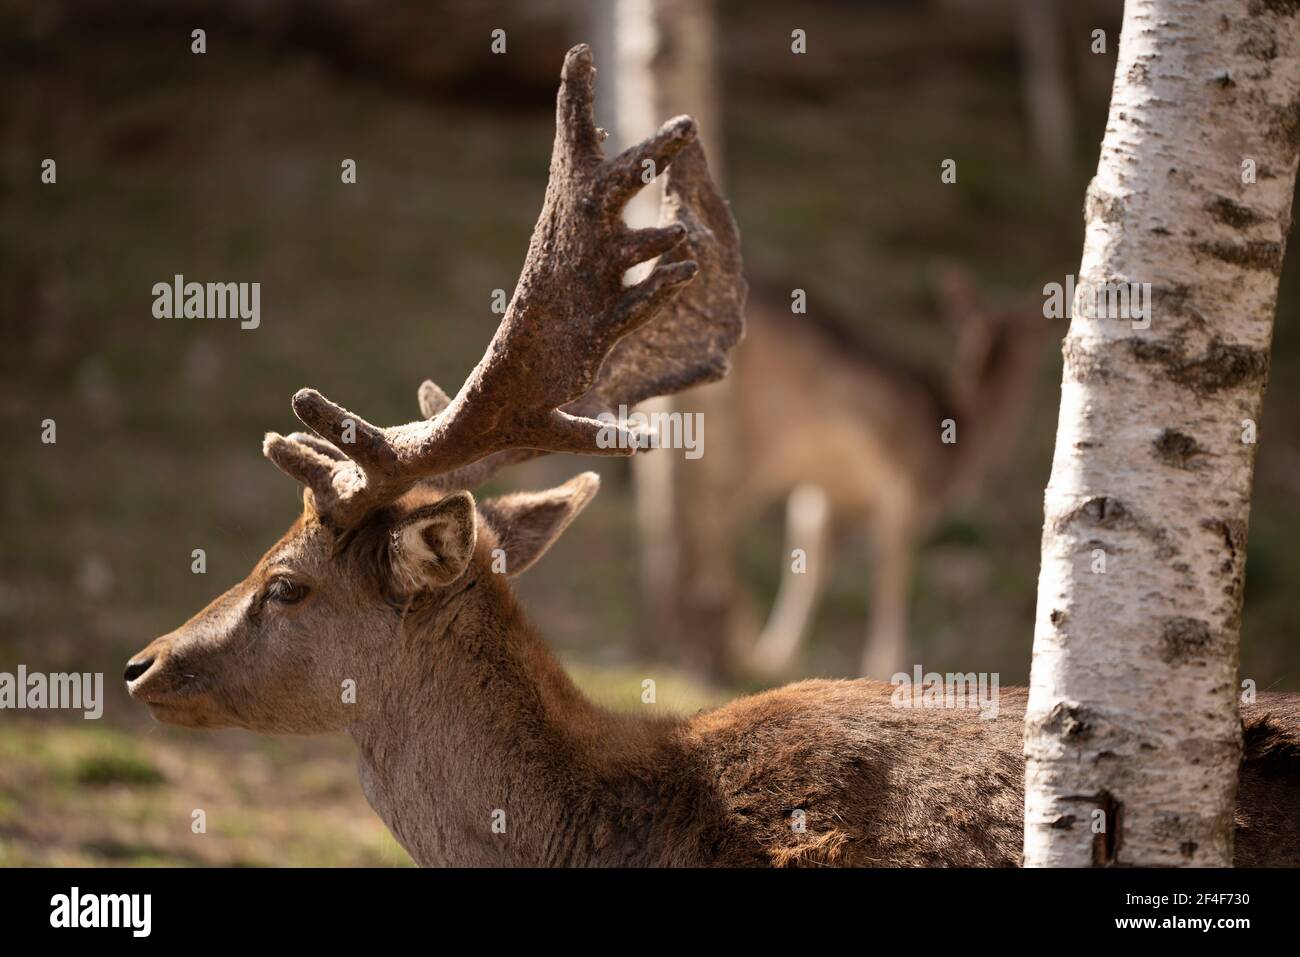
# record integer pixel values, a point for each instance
(532, 392)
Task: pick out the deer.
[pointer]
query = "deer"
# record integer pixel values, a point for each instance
(867, 435)
(850, 432)
(474, 746)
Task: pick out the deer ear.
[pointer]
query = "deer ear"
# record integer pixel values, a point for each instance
(527, 523)
(432, 545)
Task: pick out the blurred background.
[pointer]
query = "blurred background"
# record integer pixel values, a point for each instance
(226, 167)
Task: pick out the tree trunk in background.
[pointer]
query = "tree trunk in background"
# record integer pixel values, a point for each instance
(662, 58)
(1043, 80)
(1133, 698)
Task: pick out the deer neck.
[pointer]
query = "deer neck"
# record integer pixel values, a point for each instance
(482, 752)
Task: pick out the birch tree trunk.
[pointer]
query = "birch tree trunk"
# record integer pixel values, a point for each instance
(1132, 720)
(662, 57)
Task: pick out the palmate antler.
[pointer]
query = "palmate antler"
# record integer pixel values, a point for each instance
(575, 341)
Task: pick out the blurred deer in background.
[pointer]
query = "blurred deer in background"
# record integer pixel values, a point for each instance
(848, 431)
(385, 609)
(860, 438)
(841, 426)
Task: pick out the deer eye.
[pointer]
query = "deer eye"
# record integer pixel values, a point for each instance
(285, 591)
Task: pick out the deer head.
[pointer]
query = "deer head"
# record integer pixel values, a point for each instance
(998, 349)
(389, 526)
(995, 343)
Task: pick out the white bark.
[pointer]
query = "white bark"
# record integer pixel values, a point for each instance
(1133, 698)
(658, 60)
(663, 60)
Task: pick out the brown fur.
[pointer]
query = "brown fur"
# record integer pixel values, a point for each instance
(463, 711)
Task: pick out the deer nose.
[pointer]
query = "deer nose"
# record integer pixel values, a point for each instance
(134, 669)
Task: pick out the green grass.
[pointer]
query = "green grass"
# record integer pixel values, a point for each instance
(121, 765)
(77, 796)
